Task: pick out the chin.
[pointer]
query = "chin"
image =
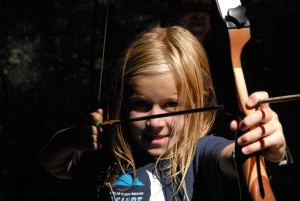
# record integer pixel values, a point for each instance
(155, 152)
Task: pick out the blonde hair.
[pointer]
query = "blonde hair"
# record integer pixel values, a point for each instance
(166, 50)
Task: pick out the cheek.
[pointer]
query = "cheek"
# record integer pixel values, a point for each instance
(181, 125)
(137, 128)
(137, 124)
(186, 18)
(178, 124)
(134, 114)
(207, 17)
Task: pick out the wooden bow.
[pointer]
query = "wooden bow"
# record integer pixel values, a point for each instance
(253, 179)
(253, 168)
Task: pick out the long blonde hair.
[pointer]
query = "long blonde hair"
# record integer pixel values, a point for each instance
(186, 60)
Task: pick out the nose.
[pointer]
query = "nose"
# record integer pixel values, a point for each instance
(157, 122)
(200, 15)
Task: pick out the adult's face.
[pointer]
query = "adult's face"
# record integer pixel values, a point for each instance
(195, 16)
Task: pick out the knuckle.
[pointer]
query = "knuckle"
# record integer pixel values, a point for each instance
(246, 123)
(95, 146)
(265, 94)
(275, 115)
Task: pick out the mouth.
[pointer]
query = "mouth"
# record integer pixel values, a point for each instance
(197, 24)
(156, 137)
(157, 140)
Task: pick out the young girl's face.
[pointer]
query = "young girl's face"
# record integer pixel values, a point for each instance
(153, 95)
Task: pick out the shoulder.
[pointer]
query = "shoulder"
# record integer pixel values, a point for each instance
(213, 140)
(205, 166)
(211, 146)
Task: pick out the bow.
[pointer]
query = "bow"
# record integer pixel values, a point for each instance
(252, 176)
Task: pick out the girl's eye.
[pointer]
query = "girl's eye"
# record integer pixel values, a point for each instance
(171, 104)
(140, 105)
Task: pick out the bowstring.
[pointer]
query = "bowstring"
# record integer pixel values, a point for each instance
(102, 62)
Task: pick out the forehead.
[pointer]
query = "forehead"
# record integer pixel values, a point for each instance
(165, 83)
(158, 79)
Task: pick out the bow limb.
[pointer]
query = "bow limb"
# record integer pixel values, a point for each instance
(238, 38)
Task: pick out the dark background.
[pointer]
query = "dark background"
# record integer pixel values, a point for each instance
(50, 58)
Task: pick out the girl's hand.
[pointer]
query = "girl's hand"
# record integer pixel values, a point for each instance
(87, 134)
(263, 131)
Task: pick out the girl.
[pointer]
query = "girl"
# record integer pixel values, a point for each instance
(170, 158)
